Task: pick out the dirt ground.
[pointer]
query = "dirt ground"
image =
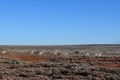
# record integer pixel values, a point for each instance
(58, 67)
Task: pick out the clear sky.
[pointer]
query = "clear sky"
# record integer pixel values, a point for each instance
(53, 22)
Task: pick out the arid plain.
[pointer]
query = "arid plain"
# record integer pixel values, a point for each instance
(69, 62)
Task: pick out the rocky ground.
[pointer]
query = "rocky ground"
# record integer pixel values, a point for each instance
(58, 67)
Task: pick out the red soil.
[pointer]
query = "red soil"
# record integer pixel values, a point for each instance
(27, 57)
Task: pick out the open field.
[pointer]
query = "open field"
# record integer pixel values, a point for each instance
(75, 62)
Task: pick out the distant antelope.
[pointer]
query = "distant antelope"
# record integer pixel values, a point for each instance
(32, 51)
(40, 53)
(56, 52)
(65, 54)
(3, 52)
(98, 54)
(87, 54)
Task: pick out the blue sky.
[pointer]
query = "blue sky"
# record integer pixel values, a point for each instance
(53, 22)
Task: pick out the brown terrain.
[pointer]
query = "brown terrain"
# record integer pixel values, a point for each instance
(75, 62)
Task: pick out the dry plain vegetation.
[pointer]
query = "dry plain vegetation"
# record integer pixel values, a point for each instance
(85, 62)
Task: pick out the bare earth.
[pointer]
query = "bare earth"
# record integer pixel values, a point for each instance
(17, 62)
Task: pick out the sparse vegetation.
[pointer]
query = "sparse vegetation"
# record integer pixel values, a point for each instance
(26, 66)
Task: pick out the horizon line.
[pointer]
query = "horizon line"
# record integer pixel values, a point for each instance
(55, 44)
